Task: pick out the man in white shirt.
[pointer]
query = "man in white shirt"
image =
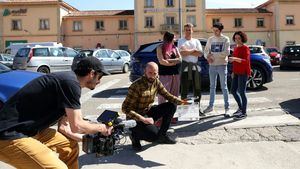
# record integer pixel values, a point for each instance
(216, 52)
(190, 50)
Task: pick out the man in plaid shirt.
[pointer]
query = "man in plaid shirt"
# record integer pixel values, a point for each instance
(138, 106)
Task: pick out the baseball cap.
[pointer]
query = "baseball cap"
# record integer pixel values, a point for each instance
(89, 63)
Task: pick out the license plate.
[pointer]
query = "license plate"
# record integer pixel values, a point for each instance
(295, 61)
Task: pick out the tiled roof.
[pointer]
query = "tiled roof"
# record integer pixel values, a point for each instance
(16, 1)
(102, 13)
(237, 10)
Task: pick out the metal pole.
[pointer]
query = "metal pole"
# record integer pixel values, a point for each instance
(180, 18)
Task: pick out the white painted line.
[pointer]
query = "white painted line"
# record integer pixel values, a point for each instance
(114, 97)
(113, 106)
(232, 101)
(105, 86)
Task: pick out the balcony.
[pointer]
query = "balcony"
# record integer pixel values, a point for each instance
(168, 27)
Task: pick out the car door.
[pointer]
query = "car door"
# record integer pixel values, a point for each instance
(116, 62)
(57, 59)
(69, 55)
(105, 58)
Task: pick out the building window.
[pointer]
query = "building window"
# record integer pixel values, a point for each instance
(77, 26)
(215, 20)
(238, 22)
(169, 3)
(260, 22)
(170, 20)
(99, 25)
(190, 3)
(191, 19)
(44, 24)
(149, 22)
(122, 24)
(149, 4)
(290, 20)
(16, 25)
(124, 47)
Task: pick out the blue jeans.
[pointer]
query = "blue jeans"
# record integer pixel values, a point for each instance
(214, 71)
(238, 90)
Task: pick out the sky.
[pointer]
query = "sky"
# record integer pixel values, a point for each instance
(129, 4)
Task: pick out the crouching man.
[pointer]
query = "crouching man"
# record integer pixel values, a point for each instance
(138, 106)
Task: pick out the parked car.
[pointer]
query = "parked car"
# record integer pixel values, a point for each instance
(110, 59)
(6, 59)
(124, 54)
(13, 48)
(290, 57)
(274, 54)
(44, 59)
(12, 80)
(262, 71)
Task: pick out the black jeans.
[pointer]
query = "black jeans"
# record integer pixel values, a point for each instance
(185, 85)
(150, 132)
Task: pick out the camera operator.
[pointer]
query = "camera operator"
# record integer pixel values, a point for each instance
(138, 106)
(26, 141)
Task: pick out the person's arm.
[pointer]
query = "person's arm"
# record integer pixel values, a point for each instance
(161, 59)
(65, 128)
(78, 125)
(244, 57)
(226, 51)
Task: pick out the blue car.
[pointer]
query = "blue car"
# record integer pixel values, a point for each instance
(262, 71)
(11, 81)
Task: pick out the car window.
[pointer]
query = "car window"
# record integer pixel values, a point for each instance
(40, 52)
(70, 53)
(255, 50)
(7, 58)
(102, 54)
(23, 52)
(3, 68)
(292, 50)
(87, 52)
(123, 53)
(269, 50)
(115, 55)
(56, 52)
(150, 48)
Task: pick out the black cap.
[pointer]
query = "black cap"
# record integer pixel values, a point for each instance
(90, 63)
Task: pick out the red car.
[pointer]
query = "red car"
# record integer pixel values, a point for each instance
(274, 54)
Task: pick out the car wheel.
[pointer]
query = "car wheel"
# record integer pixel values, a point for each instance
(43, 69)
(125, 68)
(257, 78)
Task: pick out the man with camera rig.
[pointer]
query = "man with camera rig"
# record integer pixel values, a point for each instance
(138, 106)
(26, 141)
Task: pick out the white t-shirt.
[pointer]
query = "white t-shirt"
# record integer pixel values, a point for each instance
(190, 45)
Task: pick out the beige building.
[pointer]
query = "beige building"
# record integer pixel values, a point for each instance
(153, 18)
(32, 20)
(112, 29)
(274, 23)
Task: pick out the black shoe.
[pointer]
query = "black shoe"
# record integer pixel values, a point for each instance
(165, 139)
(238, 112)
(240, 116)
(197, 100)
(201, 113)
(136, 144)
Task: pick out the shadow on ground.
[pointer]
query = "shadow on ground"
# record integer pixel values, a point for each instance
(205, 123)
(111, 92)
(125, 156)
(292, 107)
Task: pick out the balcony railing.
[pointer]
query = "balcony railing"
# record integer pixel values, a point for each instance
(167, 27)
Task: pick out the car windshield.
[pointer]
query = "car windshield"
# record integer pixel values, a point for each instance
(292, 50)
(255, 50)
(270, 50)
(4, 68)
(23, 52)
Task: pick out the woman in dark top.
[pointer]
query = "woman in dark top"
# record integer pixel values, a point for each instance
(169, 64)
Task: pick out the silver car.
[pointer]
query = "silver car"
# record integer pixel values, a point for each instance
(111, 60)
(6, 59)
(44, 59)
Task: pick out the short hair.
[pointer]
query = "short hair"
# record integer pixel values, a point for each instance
(242, 35)
(168, 37)
(218, 25)
(86, 65)
(188, 25)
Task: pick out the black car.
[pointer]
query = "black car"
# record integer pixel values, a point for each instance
(290, 57)
(261, 73)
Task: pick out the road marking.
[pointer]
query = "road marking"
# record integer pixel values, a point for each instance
(105, 86)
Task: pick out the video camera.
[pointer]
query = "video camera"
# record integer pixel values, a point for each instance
(106, 145)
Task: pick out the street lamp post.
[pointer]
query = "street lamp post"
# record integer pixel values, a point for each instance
(180, 18)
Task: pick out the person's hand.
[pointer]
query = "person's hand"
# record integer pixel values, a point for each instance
(106, 130)
(185, 102)
(148, 120)
(210, 58)
(231, 59)
(183, 48)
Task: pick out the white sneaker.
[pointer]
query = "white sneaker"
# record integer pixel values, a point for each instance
(227, 113)
(208, 109)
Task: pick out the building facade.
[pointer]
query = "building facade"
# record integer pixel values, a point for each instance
(273, 23)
